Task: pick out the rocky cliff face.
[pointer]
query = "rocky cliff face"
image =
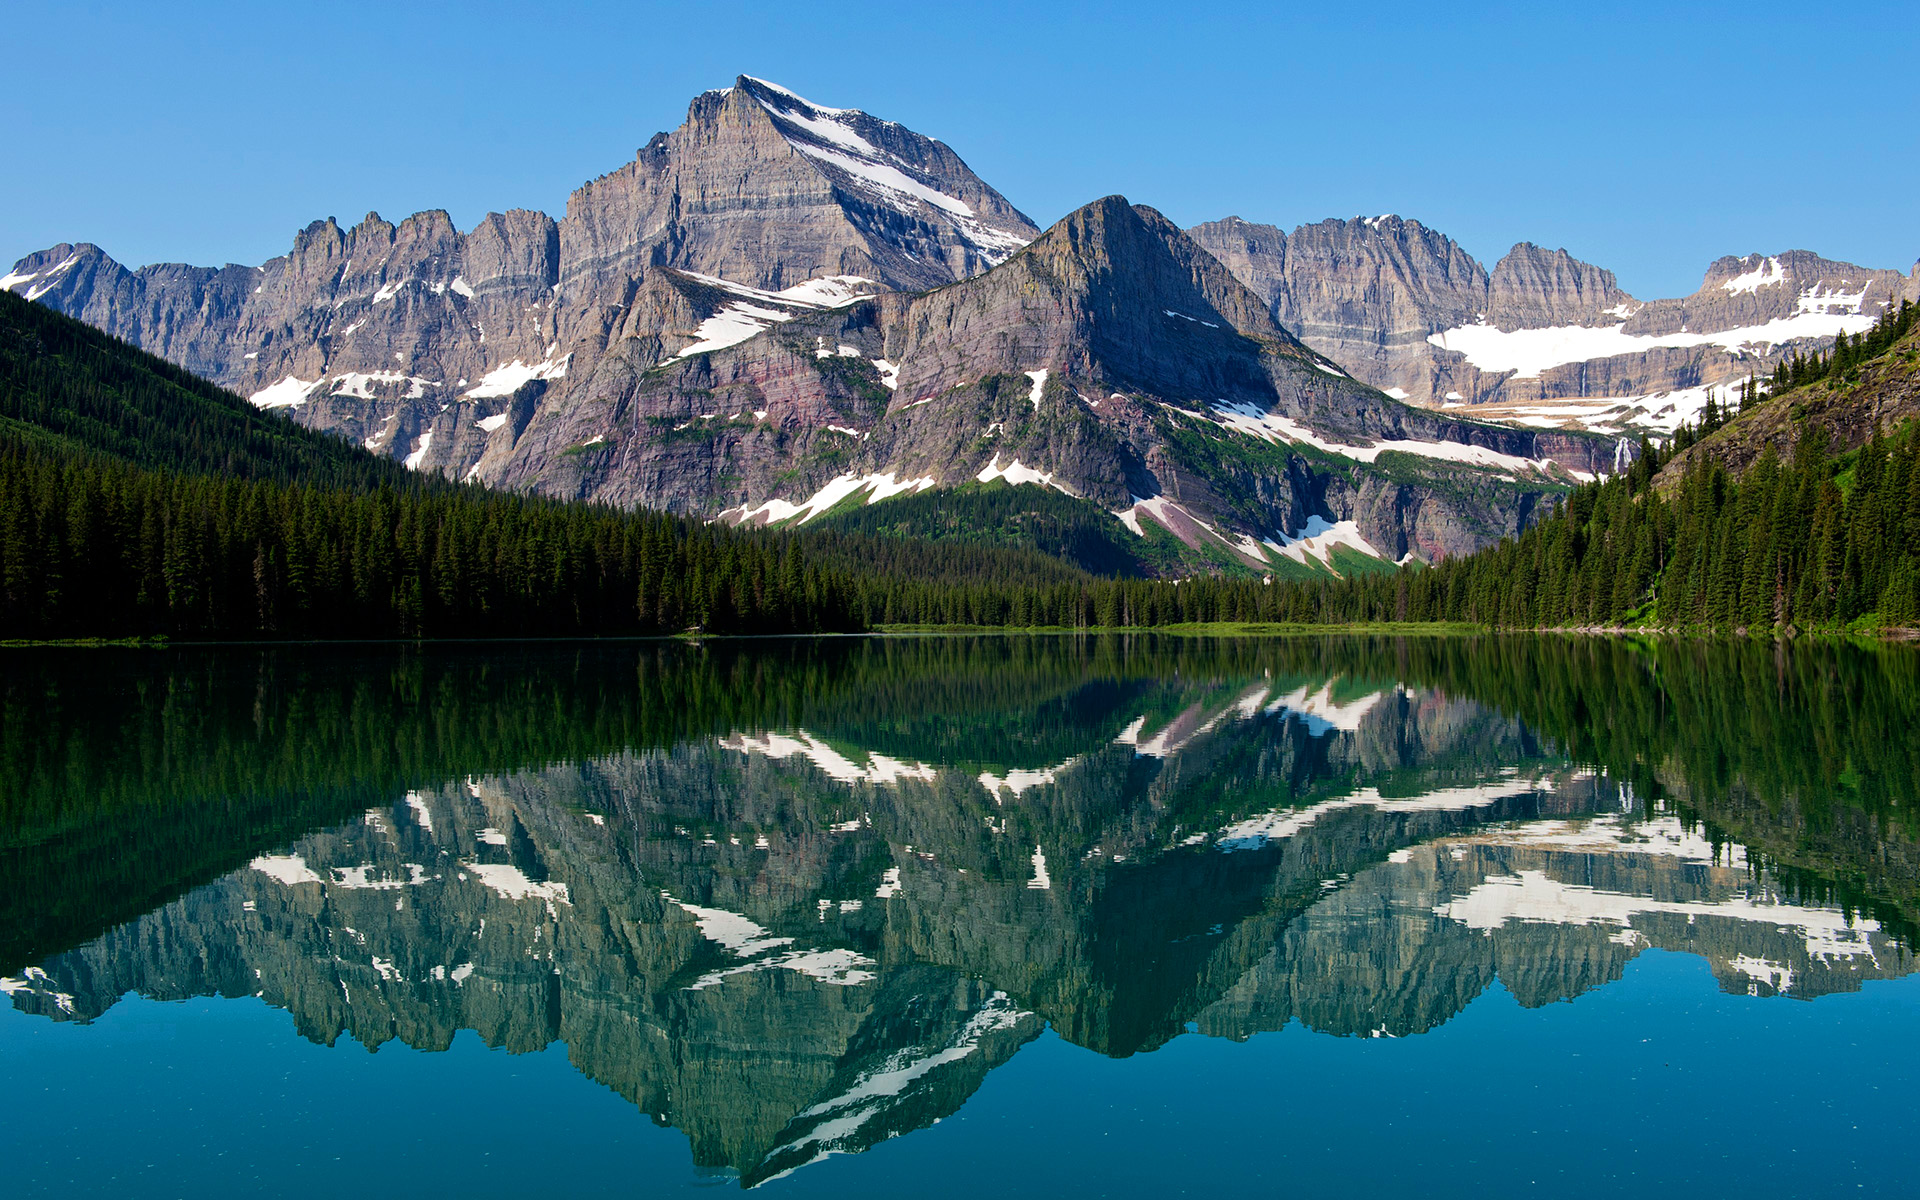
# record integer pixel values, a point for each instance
(766, 189)
(739, 322)
(780, 307)
(1542, 340)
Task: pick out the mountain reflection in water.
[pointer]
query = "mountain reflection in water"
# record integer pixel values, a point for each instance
(815, 914)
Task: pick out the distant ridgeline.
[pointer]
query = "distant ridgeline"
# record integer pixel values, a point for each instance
(136, 500)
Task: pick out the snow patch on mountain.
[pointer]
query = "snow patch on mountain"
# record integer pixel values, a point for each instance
(412, 461)
(771, 512)
(359, 384)
(1529, 352)
(1768, 274)
(1254, 421)
(1015, 472)
(508, 378)
(1317, 540)
(14, 278)
(887, 180)
(732, 325)
(828, 291)
(288, 393)
(828, 136)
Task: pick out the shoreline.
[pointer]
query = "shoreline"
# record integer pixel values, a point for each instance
(1890, 634)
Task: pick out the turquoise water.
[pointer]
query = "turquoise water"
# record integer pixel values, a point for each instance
(1039, 916)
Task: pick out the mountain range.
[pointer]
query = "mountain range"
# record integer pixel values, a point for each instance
(782, 310)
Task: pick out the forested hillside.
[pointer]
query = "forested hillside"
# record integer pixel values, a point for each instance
(65, 387)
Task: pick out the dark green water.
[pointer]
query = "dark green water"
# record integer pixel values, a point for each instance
(935, 916)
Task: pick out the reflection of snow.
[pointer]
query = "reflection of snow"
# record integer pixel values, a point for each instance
(1018, 781)
(1320, 710)
(879, 769)
(421, 814)
(839, 967)
(737, 933)
(511, 882)
(1323, 713)
(873, 1092)
(288, 869)
(745, 938)
(1041, 880)
(1284, 823)
(1531, 896)
(35, 982)
(1665, 836)
(1188, 725)
(1777, 976)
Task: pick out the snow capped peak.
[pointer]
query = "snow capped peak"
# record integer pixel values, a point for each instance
(831, 137)
(797, 98)
(16, 279)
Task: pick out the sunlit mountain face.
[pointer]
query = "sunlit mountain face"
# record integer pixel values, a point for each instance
(796, 899)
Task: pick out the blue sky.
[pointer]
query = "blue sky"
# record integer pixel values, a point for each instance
(1648, 138)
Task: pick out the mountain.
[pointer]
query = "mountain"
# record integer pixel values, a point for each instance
(1543, 339)
(1111, 359)
(780, 308)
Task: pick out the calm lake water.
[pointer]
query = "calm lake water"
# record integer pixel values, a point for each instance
(936, 917)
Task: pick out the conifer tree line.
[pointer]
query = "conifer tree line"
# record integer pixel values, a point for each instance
(94, 548)
(91, 547)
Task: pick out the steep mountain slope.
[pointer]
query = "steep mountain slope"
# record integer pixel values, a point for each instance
(1112, 359)
(379, 332)
(1543, 339)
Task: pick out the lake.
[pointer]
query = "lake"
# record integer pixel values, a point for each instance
(1122, 916)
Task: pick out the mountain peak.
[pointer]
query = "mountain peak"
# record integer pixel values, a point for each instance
(1114, 291)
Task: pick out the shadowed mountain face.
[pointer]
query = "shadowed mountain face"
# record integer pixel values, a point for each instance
(797, 900)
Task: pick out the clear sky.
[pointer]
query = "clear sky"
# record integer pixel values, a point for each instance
(1649, 138)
